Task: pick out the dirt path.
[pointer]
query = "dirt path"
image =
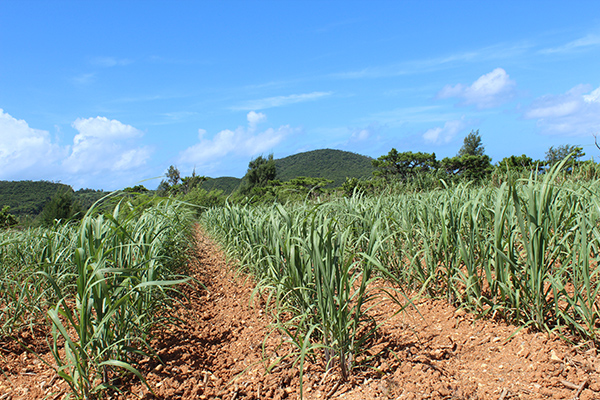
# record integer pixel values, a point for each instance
(441, 354)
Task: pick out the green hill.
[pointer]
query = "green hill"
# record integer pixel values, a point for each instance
(336, 165)
(227, 184)
(28, 197)
(87, 197)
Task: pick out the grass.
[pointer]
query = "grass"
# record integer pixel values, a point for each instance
(525, 251)
(103, 283)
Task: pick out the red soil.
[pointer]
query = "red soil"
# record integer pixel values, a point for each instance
(441, 353)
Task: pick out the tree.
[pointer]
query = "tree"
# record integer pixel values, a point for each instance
(136, 189)
(470, 162)
(306, 185)
(62, 207)
(173, 176)
(190, 182)
(355, 185)
(260, 172)
(468, 167)
(175, 184)
(203, 198)
(172, 179)
(6, 219)
(472, 145)
(557, 154)
(404, 165)
(517, 164)
(163, 188)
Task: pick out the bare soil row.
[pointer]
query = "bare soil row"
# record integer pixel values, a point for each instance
(222, 349)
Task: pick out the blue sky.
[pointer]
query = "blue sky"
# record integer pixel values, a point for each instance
(107, 94)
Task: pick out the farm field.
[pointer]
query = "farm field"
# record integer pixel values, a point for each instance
(463, 292)
(216, 353)
(288, 200)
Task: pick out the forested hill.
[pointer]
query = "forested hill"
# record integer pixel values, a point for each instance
(336, 165)
(227, 184)
(29, 197)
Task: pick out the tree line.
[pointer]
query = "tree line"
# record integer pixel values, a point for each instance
(407, 170)
(470, 163)
(416, 170)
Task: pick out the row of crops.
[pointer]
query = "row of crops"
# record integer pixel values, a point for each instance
(101, 286)
(525, 251)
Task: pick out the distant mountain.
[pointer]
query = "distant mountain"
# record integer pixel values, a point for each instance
(227, 184)
(336, 165)
(29, 197)
(327, 163)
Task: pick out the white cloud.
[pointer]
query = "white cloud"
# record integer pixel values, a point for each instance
(102, 127)
(490, 90)
(255, 118)
(243, 141)
(280, 101)
(442, 135)
(576, 112)
(584, 42)
(103, 152)
(104, 145)
(364, 134)
(25, 153)
(361, 135)
(593, 97)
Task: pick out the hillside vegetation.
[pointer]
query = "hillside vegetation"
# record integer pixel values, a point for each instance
(336, 165)
(227, 184)
(28, 197)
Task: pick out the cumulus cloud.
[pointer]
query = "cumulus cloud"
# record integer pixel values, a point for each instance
(442, 135)
(279, 101)
(490, 90)
(25, 153)
(576, 112)
(255, 118)
(243, 141)
(107, 150)
(104, 145)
